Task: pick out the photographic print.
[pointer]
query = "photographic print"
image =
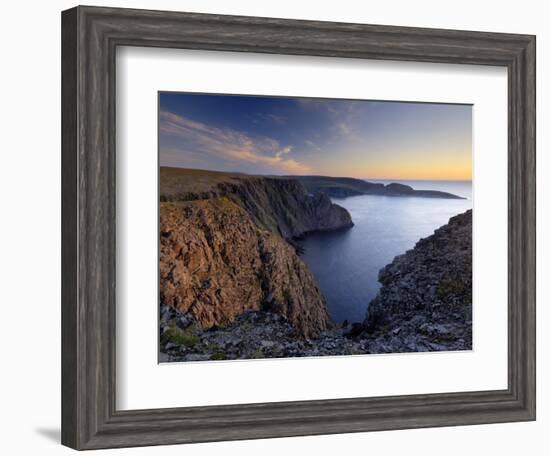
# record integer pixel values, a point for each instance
(301, 227)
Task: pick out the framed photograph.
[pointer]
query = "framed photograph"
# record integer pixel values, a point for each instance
(280, 228)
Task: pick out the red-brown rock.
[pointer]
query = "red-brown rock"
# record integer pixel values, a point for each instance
(215, 262)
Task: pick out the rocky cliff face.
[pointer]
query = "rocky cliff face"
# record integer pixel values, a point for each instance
(284, 206)
(217, 260)
(280, 205)
(224, 249)
(425, 302)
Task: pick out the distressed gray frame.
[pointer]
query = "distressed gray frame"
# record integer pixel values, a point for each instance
(90, 36)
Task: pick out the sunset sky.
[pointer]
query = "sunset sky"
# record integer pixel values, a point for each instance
(364, 139)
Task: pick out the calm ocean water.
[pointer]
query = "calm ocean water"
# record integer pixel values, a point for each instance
(346, 264)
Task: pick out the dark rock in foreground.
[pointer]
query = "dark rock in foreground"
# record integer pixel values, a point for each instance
(253, 335)
(426, 294)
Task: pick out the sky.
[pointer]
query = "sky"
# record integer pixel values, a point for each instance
(315, 136)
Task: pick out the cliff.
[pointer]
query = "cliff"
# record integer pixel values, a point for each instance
(282, 206)
(223, 249)
(425, 302)
(341, 187)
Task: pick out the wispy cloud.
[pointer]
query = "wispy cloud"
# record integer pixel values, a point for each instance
(312, 145)
(343, 114)
(347, 130)
(229, 144)
(274, 118)
(268, 118)
(284, 151)
(281, 120)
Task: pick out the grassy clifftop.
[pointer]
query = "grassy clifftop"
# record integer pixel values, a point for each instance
(184, 184)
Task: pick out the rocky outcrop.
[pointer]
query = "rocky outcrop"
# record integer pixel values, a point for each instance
(226, 247)
(217, 261)
(252, 335)
(282, 206)
(425, 302)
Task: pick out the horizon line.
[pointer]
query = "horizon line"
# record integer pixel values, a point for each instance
(322, 175)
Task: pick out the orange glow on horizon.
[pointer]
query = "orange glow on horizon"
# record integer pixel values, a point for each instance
(445, 165)
(462, 171)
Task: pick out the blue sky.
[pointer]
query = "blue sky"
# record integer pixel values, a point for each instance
(270, 135)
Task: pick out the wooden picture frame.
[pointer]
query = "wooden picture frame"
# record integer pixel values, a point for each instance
(90, 37)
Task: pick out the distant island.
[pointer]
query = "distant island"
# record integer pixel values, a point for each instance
(342, 187)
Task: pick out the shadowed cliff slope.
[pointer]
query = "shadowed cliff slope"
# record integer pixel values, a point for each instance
(283, 206)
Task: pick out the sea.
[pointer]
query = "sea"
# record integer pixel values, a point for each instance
(346, 263)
